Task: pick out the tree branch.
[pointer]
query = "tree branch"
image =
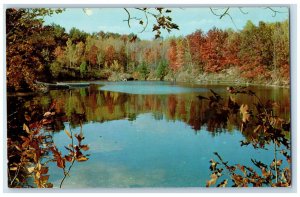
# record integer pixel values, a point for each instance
(242, 11)
(274, 11)
(220, 15)
(128, 20)
(226, 12)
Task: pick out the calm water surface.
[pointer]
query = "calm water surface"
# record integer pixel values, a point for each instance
(150, 134)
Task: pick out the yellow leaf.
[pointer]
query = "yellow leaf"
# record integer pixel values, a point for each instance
(39, 166)
(25, 128)
(68, 133)
(212, 181)
(30, 169)
(13, 168)
(81, 159)
(37, 175)
(257, 128)
(244, 110)
(18, 148)
(47, 113)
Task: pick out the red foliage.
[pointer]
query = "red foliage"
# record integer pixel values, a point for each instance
(172, 104)
(195, 41)
(213, 50)
(110, 54)
(176, 55)
(92, 55)
(172, 55)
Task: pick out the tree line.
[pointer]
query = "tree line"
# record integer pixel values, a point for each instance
(38, 52)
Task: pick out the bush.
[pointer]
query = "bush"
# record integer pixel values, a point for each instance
(143, 70)
(161, 70)
(83, 69)
(55, 69)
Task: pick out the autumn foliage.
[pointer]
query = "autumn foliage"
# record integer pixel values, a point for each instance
(36, 52)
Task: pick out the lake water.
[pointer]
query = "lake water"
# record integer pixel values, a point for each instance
(150, 134)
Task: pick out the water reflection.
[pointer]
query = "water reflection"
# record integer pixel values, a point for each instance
(92, 105)
(130, 131)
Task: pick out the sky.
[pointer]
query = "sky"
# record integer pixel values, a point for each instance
(189, 19)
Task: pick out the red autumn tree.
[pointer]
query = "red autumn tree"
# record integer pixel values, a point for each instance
(175, 56)
(196, 41)
(213, 50)
(110, 55)
(180, 55)
(172, 55)
(92, 55)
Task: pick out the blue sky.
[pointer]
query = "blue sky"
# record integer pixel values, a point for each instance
(188, 19)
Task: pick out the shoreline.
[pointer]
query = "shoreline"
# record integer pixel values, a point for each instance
(199, 82)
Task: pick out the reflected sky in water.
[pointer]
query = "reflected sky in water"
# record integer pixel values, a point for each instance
(151, 153)
(150, 134)
(149, 88)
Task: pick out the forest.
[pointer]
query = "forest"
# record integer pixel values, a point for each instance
(36, 52)
(191, 123)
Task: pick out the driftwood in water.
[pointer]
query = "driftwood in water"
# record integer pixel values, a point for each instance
(61, 85)
(52, 86)
(74, 85)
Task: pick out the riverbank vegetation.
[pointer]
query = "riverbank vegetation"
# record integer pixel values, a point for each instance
(38, 52)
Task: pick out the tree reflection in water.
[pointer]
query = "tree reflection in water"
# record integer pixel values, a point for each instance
(262, 127)
(211, 112)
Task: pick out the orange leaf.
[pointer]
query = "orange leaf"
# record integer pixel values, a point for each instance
(84, 147)
(80, 159)
(27, 117)
(60, 162)
(44, 170)
(44, 179)
(69, 158)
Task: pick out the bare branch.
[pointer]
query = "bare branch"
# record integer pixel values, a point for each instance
(274, 11)
(225, 13)
(232, 20)
(146, 11)
(147, 21)
(163, 21)
(128, 20)
(220, 15)
(242, 11)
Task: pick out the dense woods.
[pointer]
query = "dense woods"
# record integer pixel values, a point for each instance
(35, 52)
